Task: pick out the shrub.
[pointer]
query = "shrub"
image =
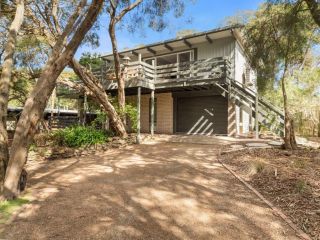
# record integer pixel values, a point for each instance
(99, 121)
(78, 136)
(301, 186)
(132, 113)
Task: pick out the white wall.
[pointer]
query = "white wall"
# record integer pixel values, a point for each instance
(218, 48)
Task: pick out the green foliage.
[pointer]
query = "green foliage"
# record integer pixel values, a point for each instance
(88, 59)
(78, 136)
(185, 32)
(132, 113)
(278, 37)
(8, 207)
(239, 18)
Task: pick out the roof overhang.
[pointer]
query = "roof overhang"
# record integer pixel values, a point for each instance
(172, 45)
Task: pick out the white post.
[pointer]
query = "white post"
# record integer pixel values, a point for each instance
(152, 113)
(257, 114)
(138, 115)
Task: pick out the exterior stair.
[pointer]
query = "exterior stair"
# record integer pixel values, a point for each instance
(269, 116)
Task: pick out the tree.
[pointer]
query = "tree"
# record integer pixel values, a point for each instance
(314, 8)
(152, 12)
(78, 24)
(185, 32)
(115, 18)
(51, 31)
(277, 40)
(5, 84)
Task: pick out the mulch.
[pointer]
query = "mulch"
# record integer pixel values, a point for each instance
(289, 179)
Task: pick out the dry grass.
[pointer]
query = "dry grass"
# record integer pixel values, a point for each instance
(291, 180)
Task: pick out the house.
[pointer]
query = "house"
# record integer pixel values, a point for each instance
(197, 84)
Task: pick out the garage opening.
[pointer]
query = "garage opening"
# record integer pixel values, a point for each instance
(204, 115)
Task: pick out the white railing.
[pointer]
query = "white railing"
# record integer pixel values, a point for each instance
(211, 68)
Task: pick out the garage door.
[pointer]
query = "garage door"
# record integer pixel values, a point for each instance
(202, 115)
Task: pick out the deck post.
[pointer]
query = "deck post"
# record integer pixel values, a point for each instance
(152, 113)
(85, 104)
(256, 120)
(139, 57)
(138, 115)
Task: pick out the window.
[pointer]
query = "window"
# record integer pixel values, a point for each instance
(184, 57)
(166, 59)
(150, 61)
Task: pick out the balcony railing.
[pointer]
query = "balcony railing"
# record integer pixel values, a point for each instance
(141, 74)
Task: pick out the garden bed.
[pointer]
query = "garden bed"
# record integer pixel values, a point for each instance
(290, 180)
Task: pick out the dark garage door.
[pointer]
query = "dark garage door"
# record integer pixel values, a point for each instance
(202, 115)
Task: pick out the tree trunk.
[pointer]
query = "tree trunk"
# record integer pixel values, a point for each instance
(289, 136)
(37, 101)
(319, 124)
(96, 88)
(5, 86)
(117, 69)
(314, 10)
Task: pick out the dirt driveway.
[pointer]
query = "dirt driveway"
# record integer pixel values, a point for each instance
(160, 191)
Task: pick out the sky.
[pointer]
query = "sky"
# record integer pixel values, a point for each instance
(204, 14)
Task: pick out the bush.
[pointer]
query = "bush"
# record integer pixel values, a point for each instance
(78, 136)
(132, 113)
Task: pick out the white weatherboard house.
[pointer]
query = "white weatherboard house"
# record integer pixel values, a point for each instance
(197, 84)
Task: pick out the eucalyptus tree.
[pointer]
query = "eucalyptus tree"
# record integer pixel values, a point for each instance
(50, 31)
(5, 78)
(151, 13)
(72, 34)
(277, 40)
(314, 8)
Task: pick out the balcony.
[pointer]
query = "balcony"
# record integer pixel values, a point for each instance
(185, 74)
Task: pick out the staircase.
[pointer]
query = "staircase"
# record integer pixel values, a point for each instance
(269, 116)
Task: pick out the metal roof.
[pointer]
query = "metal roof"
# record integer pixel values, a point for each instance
(172, 43)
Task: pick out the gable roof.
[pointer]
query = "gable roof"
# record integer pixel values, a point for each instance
(187, 41)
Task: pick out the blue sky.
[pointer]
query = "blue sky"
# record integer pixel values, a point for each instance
(205, 15)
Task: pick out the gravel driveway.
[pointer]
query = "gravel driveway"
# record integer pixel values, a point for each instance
(159, 191)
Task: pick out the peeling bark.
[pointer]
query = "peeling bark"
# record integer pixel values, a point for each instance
(36, 103)
(289, 136)
(97, 89)
(5, 85)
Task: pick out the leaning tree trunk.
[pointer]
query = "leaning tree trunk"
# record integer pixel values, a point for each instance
(319, 124)
(36, 103)
(289, 135)
(117, 69)
(96, 88)
(314, 8)
(5, 86)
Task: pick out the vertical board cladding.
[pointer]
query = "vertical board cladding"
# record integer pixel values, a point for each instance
(242, 67)
(218, 48)
(240, 64)
(164, 112)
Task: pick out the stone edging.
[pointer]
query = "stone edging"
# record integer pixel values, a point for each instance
(277, 211)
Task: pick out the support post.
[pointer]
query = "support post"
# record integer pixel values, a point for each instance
(139, 57)
(81, 110)
(138, 115)
(152, 113)
(257, 114)
(85, 104)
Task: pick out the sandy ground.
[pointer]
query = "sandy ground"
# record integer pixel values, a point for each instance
(160, 191)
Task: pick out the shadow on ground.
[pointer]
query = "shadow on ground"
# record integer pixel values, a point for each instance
(160, 191)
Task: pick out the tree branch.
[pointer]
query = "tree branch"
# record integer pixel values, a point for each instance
(127, 9)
